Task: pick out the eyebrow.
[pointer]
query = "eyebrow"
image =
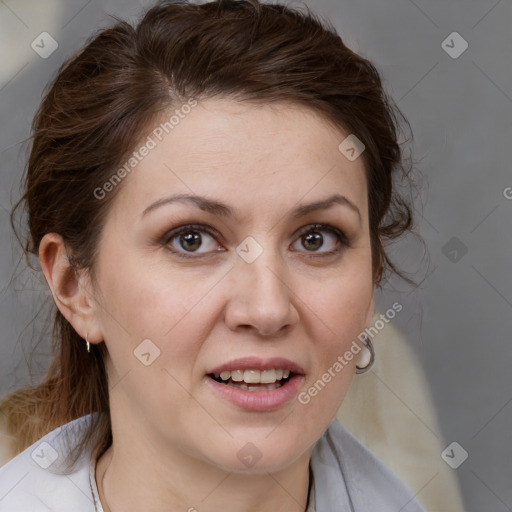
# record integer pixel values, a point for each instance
(220, 209)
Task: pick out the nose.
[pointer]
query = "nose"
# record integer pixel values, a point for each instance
(261, 299)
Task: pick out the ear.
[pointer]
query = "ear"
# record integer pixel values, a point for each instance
(71, 290)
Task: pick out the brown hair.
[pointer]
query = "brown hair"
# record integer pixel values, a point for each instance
(107, 95)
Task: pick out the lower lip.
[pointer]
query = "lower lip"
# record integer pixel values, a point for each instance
(265, 400)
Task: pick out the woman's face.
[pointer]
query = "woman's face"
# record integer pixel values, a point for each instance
(253, 285)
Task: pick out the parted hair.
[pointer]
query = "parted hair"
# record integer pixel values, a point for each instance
(106, 96)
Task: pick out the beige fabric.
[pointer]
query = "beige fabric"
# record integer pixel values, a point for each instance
(389, 409)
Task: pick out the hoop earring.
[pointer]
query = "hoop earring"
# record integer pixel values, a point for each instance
(87, 344)
(369, 348)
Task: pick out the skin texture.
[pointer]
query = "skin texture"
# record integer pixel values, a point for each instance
(175, 441)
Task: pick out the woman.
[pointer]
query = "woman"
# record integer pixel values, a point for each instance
(209, 194)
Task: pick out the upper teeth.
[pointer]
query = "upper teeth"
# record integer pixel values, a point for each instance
(255, 376)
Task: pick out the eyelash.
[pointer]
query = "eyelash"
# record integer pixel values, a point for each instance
(342, 238)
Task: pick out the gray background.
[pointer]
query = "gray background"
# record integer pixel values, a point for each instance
(458, 320)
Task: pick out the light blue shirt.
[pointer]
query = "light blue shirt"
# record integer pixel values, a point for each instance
(347, 477)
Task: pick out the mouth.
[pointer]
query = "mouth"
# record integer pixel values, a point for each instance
(254, 380)
(255, 384)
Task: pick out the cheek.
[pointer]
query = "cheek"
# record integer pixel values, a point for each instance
(341, 316)
(338, 313)
(144, 304)
(145, 301)
(341, 305)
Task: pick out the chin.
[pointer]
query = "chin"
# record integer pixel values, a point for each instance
(258, 456)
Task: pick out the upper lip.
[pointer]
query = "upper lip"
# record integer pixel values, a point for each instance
(256, 363)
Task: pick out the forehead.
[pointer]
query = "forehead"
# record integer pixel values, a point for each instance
(260, 156)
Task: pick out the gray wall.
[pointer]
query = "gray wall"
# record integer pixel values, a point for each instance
(459, 318)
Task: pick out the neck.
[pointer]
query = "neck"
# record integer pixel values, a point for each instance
(160, 469)
(123, 485)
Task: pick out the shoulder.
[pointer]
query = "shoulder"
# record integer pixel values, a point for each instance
(36, 479)
(340, 459)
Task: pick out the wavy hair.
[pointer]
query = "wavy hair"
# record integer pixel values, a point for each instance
(104, 97)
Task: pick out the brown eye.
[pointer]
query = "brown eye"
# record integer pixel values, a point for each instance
(312, 241)
(191, 240)
(322, 236)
